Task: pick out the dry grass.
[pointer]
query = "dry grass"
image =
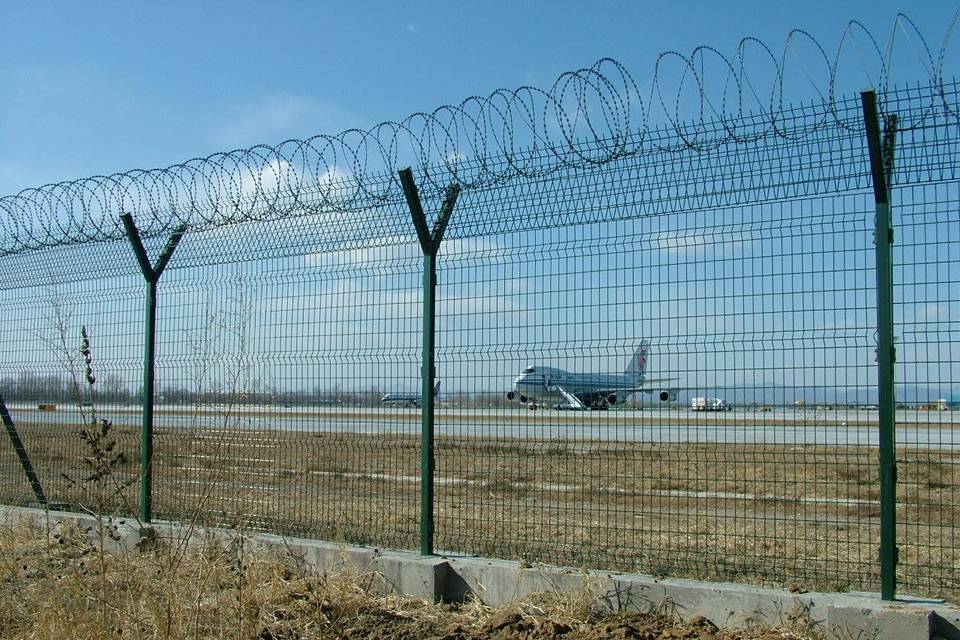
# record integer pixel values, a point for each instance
(60, 583)
(799, 516)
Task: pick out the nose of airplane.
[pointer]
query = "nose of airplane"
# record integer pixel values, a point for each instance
(522, 383)
(517, 382)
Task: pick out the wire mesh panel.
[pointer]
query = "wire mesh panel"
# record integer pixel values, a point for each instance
(926, 262)
(272, 378)
(75, 412)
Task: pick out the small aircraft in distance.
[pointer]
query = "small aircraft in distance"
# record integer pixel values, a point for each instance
(583, 391)
(408, 399)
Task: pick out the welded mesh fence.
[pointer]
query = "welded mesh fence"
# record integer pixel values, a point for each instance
(685, 319)
(751, 274)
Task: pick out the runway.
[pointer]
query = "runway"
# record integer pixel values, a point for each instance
(847, 427)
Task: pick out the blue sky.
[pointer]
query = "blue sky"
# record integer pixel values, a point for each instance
(89, 89)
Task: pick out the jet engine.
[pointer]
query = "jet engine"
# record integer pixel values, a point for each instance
(668, 395)
(511, 395)
(612, 399)
(523, 399)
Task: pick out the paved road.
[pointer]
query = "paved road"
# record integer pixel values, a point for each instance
(938, 430)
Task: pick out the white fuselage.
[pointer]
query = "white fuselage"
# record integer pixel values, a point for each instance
(540, 383)
(406, 400)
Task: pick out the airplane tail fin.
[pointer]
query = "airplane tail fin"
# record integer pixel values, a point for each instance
(436, 389)
(637, 367)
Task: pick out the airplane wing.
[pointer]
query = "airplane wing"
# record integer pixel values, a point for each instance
(647, 382)
(571, 399)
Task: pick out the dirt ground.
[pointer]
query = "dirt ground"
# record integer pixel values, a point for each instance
(508, 624)
(59, 583)
(802, 517)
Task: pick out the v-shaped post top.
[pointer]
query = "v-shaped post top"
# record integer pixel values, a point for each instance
(429, 240)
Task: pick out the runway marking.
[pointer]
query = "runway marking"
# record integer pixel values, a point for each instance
(568, 488)
(221, 458)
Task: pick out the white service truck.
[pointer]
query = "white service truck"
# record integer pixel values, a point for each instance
(709, 404)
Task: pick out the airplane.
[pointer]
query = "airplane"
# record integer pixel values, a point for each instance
(408, 399)
(582, 391)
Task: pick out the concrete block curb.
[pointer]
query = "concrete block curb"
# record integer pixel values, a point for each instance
(502, 582)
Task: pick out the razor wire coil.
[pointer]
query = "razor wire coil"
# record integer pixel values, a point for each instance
(591, 116)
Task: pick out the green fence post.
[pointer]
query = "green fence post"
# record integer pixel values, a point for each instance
(22, 453)
(430, 244)
(151, 273)
(881, 168)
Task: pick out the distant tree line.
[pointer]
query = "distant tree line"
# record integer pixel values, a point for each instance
(43, 387)
(174, 394)
(29, 386)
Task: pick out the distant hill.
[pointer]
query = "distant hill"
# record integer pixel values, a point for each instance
(778, 395)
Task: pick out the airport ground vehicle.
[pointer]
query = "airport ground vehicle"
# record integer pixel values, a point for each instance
(709, 404)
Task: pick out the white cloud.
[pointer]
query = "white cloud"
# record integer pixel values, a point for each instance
(277, 117)
(934, 312)
(15, 178)
(391, 248)
(248, 191)
(680, 242)
(388, 249)
(683, 242)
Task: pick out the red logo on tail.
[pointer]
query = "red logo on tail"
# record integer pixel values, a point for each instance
(641, 359)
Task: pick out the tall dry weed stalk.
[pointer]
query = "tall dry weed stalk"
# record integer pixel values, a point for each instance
(102, 483)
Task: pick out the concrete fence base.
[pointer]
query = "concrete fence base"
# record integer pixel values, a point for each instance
(500, 582)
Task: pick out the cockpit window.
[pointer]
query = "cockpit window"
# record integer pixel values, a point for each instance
(529, 370)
